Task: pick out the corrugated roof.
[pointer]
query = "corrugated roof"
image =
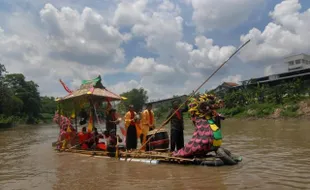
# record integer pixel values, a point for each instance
(231, 84)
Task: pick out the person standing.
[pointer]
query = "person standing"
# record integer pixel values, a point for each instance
(111, 122)
(147, 121)
(177, 126)
(131, 135)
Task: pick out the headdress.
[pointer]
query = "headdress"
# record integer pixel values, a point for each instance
(204, 105)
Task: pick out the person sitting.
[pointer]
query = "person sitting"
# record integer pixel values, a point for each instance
(83, 138)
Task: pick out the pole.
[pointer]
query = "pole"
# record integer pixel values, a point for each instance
(194, 92)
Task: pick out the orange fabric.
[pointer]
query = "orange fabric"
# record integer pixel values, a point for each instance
(82, 137)
(138, 129)
(102, 146)
(151, 119)
(128, 118)
(147, 118)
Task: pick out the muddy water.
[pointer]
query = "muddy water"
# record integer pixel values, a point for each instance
(276, 156)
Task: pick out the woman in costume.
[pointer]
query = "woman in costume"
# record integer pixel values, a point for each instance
(207, 136)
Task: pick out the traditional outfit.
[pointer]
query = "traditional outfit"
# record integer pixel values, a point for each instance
(131, 136)
(66, 132)
(207, 136)
(83, 137)
(177, 127)
(147, 121)
(110, 124)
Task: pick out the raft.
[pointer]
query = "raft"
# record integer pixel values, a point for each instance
(158, 156)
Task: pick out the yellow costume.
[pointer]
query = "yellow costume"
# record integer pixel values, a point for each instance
(147, 121)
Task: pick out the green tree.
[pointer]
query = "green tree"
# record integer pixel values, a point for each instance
(27, 92)
(48, 105)
(136, 97)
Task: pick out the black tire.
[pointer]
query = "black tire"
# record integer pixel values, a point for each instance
(227, 159)
(215, 162)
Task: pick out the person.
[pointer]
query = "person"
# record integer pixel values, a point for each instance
(207, 136)
(131, 131)
(83, 138)
(83, 116)
(147, 122)
(111, 122)
(177, 126)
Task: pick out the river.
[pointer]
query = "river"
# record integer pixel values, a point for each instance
(276, 155)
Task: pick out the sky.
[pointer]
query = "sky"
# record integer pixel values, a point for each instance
(168, 47)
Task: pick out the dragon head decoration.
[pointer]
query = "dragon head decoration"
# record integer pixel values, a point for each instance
(205, 105)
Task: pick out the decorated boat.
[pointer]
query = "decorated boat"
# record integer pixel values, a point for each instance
(92, 98)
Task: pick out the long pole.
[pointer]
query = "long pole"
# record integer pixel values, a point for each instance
(194, 92)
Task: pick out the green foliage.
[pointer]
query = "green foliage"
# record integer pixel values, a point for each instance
(20, 100)
(262, 100)
(136, 97)
(290, 111)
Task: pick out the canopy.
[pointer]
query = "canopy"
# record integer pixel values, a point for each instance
(92, 88)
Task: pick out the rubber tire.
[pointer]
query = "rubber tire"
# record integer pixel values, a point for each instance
(226, 158)
(216, 162)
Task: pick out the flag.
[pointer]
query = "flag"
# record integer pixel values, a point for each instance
(65, 86)
(90, 123)
(73, 114)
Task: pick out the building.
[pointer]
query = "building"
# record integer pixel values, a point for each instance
(158, 103)
(224, 87)
(298, 67)
(300, 61)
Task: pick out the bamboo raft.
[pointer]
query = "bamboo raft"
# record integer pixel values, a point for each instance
(156, 157)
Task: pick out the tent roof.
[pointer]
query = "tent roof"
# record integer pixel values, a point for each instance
(92, 88)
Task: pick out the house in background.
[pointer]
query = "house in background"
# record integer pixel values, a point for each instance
(224, 87)
(300, 61)
(298, 67)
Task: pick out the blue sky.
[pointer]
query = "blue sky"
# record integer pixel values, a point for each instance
(166, 47)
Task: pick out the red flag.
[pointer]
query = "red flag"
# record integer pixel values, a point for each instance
(65, 86)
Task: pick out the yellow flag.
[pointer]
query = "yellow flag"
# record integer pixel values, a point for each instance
(73, 114)
(69, 129)
(90, 123)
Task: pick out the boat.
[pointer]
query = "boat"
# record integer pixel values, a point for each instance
(157, 151)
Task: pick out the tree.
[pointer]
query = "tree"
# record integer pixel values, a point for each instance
(136, 97)
(27, 92)
(48, 104)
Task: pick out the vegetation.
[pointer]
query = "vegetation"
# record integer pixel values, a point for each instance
(263, 100)
(20, 100)
(135, 97)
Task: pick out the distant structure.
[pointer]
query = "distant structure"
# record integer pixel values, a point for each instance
(224, 87)
(298, 67)
(163, 101)
(300, 61)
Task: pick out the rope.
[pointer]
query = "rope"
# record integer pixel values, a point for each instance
(193, 93)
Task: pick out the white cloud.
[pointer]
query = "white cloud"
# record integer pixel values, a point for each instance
(84, 37)
(233, 78)
(288, 33)
(75, 44)
(207, 55)
(209, 15)
(147, 66)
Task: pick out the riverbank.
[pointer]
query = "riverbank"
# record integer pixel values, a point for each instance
(269, 111)
(10, 121)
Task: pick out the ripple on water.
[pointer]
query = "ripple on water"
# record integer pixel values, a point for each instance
(275, 156)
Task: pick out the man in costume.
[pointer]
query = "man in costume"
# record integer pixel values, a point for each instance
(147, 122)
(177, 126)
(207, 136)
(131, 135)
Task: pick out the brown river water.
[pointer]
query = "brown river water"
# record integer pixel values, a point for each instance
(276, 155)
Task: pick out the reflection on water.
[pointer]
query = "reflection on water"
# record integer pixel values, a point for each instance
(276, 156)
